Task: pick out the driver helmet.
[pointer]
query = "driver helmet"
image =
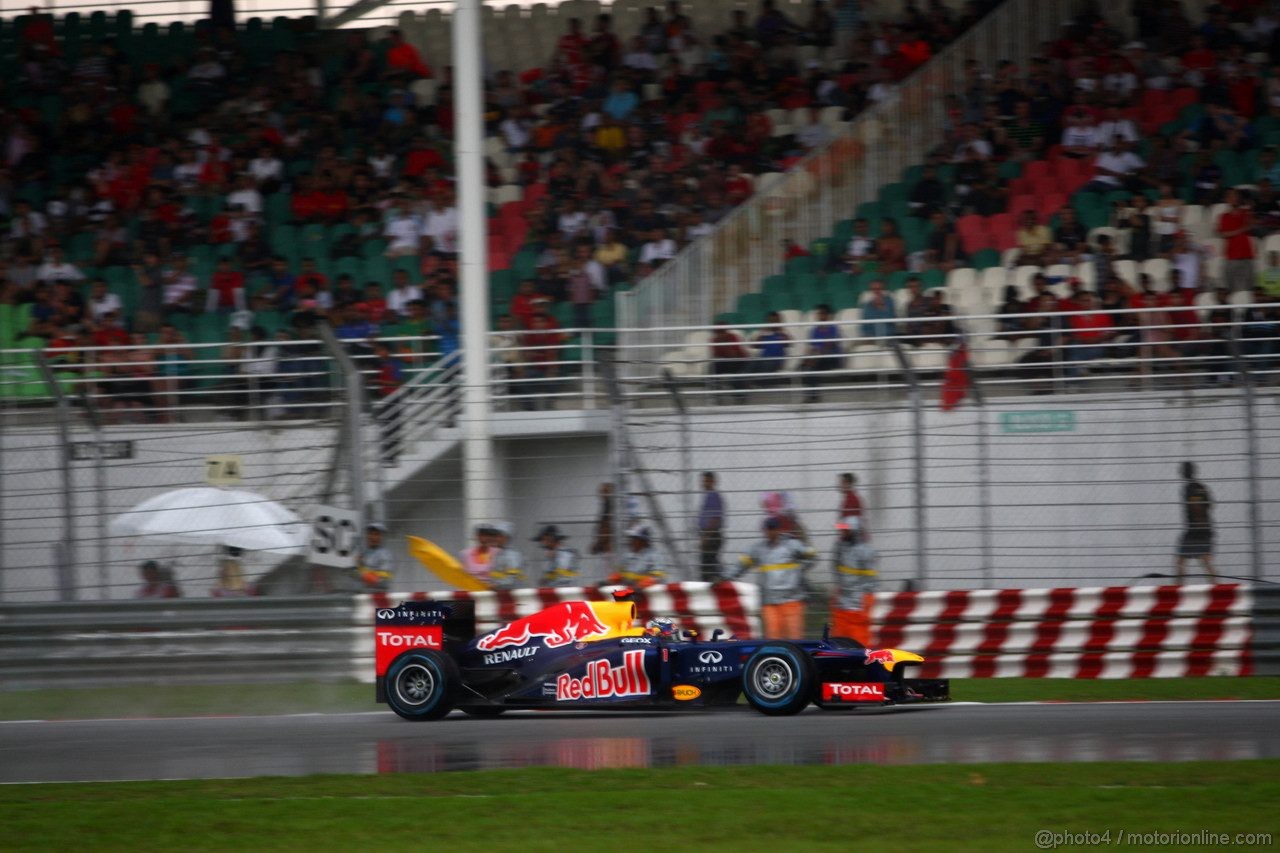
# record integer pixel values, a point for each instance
(660, 627)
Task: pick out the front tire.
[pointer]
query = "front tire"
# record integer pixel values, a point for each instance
(778, 680)
(422, 685)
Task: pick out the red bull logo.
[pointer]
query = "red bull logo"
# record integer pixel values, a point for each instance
(880, 656)
(556, 626)
(603, 681)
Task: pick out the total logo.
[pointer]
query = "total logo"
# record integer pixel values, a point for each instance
(711, 661)
(603, 681)
(852, 692)
(510, 654)
(391, 642)
(404, 639)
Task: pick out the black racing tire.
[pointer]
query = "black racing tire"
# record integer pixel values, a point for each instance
(779, 680)
(422, 685)
(482, 712)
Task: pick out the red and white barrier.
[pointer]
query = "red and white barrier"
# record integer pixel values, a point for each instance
(1068, 632)
(1087, 632)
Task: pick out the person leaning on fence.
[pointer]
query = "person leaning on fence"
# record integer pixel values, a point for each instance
(477, 560)
(375, 567)
(782, 561)
(728, 359)
(640, 567)
(824, 353)
(856, 581)
(506, 570)
(157, 582)
(559, 562)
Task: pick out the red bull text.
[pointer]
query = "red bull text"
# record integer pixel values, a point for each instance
(556, 626)
(603, 681)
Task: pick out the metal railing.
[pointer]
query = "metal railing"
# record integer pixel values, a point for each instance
(805, 203)
(1143, 348)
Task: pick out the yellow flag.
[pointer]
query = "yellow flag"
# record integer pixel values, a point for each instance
(443, 565)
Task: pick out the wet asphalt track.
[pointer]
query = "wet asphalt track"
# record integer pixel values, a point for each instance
(212, 747)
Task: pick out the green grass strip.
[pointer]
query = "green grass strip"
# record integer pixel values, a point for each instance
(851, 807)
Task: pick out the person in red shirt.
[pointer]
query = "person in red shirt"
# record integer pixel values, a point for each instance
(226, 289)
(523, 304)
(1234, 225)
(109, 332)
(850, 503)
(311, 277)
(403, 60)
(729, 358)
(571, 45)
(1199, 61)
(374, 305)
(792, 249)
(1090, 330)
(420, 158)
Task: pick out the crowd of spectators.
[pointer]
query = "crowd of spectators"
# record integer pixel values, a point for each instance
(1089, 96)
(156, 195)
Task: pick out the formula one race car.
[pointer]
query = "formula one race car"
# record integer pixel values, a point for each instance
(588, 655)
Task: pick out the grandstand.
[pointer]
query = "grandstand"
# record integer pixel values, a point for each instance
(184, 202)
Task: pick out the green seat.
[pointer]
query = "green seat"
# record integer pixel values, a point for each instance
(779, 301)
(1010, 169)
(985, 258)
(775, 284)
(933, 278)
(802, 264)
(752, 305)
(842, 234)
(377, 271)
(373, 248)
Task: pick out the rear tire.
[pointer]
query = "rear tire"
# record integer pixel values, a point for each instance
(778, 680)
(422, 685)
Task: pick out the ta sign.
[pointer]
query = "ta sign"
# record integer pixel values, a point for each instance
(335, 537)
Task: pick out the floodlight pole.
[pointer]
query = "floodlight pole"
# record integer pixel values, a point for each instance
(479, 470)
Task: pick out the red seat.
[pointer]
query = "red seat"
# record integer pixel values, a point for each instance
(973, 232)
(1184, 97)
(1037, 170)
(1049, 204)
(1020, 186)
(1019, 204)
(1002, 232)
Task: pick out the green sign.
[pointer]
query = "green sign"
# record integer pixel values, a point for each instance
(1037, 421)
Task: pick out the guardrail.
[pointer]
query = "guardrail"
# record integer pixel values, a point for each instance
(1037, 351)
(180, 641)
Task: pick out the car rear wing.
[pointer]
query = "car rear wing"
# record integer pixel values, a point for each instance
(419, 626)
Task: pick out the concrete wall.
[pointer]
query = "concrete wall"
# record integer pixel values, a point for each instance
(1095, 505)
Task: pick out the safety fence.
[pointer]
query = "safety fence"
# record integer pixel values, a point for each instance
(1086, 632)
(1101, 632)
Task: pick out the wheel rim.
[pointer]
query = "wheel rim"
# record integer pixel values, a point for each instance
(415, 685)
(773, 677)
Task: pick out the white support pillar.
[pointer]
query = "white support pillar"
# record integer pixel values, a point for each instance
(481, 490)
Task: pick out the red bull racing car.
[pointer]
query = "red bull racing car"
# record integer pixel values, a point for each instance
(589, 655)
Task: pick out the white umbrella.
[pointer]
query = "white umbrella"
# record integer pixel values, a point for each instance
(216, 517)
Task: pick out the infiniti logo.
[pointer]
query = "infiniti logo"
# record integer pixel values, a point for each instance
(710, 657)
(386, 613)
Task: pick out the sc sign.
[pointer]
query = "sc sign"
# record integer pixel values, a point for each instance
(335, 537)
